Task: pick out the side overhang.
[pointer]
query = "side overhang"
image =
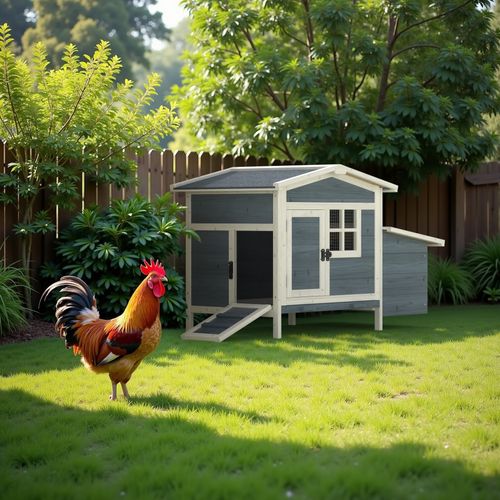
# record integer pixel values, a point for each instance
(431, 241)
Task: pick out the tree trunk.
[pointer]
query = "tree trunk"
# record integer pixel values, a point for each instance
(25, 261)
(384, 77)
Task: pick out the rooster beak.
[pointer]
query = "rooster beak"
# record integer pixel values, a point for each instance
(164, 279)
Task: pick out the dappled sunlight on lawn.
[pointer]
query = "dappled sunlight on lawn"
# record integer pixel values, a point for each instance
(113, 451)
(358, 413)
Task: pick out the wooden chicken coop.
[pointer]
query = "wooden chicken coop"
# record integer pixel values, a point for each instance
(291, 239)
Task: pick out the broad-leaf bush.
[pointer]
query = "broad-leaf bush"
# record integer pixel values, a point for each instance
(482, 259)
(105, 248)
(448, 283)
(12, 311)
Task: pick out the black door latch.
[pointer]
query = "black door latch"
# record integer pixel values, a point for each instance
(230, 269)
(325, 254)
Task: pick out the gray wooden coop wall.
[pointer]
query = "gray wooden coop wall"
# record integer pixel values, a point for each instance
(330, 190)
(232, 208)
(356, 274)
(405, 275)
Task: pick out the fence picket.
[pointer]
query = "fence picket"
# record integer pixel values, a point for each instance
(168, 170)
(227, 161)
(204, 163)
(155, 172)
(193, 170)
(216, 162)
(423, 204)
(143, 174)
(240, 161)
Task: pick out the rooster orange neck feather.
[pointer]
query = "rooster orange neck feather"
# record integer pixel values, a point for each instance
(141, 311)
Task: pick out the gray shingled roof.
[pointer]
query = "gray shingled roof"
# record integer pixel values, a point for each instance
(237, 178)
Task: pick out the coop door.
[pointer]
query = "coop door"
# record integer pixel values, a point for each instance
(209, 269)
(307, 236)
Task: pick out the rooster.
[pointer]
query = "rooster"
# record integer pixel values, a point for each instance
(115, 346)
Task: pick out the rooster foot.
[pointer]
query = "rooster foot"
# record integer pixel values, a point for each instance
(125, 390)
(112, 396)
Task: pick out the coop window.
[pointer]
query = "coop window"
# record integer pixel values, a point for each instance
(345, 232)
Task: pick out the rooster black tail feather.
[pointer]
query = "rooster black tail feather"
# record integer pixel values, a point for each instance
(77, 298)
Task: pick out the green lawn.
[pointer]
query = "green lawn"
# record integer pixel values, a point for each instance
(334, 410)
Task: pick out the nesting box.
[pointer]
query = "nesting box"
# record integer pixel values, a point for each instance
(288, 239)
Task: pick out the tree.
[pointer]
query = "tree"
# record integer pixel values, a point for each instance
(15, 14)
(125, 23)
(493, 121)
(167, 62)
(399, 85)
(60, 123)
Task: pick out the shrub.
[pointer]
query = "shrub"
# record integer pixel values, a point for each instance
(106, 247)
(448, 282)
(78, 117)
(492, 294)
(13, 281)
(482, 259)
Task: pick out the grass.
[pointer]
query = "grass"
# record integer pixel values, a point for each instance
(333, 410)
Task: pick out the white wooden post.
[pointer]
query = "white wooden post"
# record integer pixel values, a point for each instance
(379, 259)
(189, 312)
(379, 318)
(292, 319)
(279, 258)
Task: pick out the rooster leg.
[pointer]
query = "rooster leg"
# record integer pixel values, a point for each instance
(112, 396)
(125, 390)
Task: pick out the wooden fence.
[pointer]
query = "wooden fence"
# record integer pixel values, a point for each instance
(458, 210)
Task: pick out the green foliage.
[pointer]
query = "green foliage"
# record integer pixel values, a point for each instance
(492, 294)
(127, 24)
(167, 62)
(448, 282)
(12, 312)
(493, 121)
(65, 122)
(482, 260)
(402, 86)
(105, 248)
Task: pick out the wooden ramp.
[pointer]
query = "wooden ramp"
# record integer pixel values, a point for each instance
(225, 323)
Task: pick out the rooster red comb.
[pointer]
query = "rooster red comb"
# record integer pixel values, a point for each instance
(153, 267)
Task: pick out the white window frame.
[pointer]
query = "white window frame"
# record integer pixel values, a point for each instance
(342, 253)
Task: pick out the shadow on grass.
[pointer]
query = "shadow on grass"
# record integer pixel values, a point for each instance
(343, 338)
(55, 451)
(164, 402)
(440, 324)
(247, 345)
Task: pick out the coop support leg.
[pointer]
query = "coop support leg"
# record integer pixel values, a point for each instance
(379, 319)
(277, 323)
(292, 319)
(189, 320)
